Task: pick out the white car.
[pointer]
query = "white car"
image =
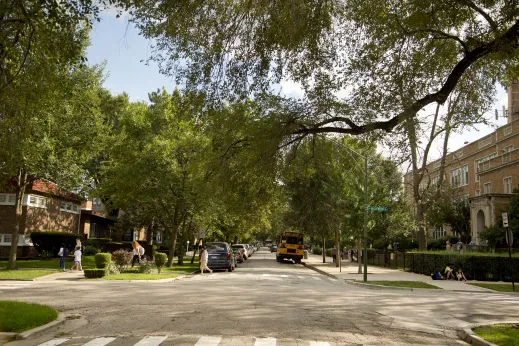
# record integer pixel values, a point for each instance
(243, 248)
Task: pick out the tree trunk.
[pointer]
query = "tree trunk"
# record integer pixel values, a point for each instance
(338, 252)
(173, 240)
(324, 251)
(359, 254)
(182, 251)
(20, 190)
(420, 221)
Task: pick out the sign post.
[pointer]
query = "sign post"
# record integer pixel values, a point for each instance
(509, 240)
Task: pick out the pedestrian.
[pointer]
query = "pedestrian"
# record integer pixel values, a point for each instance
(62, 254)
(459, 246)
(77, 259)
(448, 245)
(460, 275)
(138, 252)
(334, 254)
(449, 272)
(204, 257)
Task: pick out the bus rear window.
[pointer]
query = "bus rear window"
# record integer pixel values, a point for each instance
(292, 240)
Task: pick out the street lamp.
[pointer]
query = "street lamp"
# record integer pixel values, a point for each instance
(365, 157)
(188, 245)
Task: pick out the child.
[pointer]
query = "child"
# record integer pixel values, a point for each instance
(77, 259)
(460, 275)
(448, 272)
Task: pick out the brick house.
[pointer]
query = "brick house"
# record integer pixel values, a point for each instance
(45, 207)
(486, 171)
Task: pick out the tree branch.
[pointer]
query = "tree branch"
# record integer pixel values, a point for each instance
(506, 42)
(490, 21)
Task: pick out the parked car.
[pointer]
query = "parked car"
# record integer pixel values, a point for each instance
(221, 256)
(243, 249)
(274, 248)
(238, 253)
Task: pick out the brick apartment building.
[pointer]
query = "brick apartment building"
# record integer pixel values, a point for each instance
(46, 207)
(486, 171)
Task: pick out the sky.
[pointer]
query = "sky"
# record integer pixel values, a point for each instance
(119, 44)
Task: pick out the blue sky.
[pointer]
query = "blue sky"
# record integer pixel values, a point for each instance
(119, 44)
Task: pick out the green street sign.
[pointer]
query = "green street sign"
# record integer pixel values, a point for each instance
(379, 209)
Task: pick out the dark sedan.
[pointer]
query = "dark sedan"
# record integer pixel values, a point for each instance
(221, 256)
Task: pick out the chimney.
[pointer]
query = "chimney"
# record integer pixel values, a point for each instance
(513, 102)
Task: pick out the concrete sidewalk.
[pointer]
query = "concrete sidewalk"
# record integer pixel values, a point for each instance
(349, 271)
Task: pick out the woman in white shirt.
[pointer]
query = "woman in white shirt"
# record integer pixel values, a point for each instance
(138, 252)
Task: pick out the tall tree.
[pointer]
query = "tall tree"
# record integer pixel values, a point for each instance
(232, 49)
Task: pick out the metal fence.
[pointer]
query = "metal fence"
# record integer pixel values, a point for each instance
(482, 268)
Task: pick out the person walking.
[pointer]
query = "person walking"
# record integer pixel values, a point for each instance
(77, 259)
(204, 257)
(138, 252)
(62, 254)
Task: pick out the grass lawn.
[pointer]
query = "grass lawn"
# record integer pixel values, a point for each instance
(21, 274)
(498, 287)
(499, 334)
(87, 262)
(409, 284)
(17, 317)
(186, 268)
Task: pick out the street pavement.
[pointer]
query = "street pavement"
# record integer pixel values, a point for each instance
(262, 303)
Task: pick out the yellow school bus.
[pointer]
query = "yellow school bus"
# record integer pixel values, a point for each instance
(290, 246)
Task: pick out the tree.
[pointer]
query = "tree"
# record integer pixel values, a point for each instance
(233, 49)
(453, 210)
(48, 129)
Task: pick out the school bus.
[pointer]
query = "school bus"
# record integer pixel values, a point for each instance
(290, 246)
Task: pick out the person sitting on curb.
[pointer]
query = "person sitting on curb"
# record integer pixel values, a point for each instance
(460, 275)
(437, 276)
(448, 272)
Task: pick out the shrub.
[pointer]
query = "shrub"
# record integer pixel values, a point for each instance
(160, 259)
(112, 269)
(329, 252)
(99, 243)
(122, 259)
(91, 251)
(46, 254)
(434, 244)
(115, 246)
(94, 273)
(145, 267)
(51, 241)
(317, 251)
(102, 260)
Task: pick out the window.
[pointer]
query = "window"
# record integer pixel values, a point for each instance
(8, 238)
(507, 185)
(478, 192)
(69, 207)
(483, 164)
(484, 142)
(507, 153)
(158, 237)
(37, 201)
(7, 198)
(487, 188)
(435, 180)
(439, 232)
(460, 176)
(507, 130)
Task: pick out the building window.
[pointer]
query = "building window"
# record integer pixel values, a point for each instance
(487, 188)
(69, 207)
(158, 237)
(7, 198)
(478, 192)
(485, 142)
(507, 130)
(507, 153)
(483, 164)
(507, 184)
(439, 232)
(460, 176)
(435, 180)
(36, 201)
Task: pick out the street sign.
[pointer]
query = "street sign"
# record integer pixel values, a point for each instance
(509, 237)
(379, 209)
(505, 219)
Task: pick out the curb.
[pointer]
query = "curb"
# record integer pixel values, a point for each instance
(467, 335)
(31, 332)
(396, 288)
(309, 266)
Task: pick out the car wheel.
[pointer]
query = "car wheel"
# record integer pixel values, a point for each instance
(230, 268)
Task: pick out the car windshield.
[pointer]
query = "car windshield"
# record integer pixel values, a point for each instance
(292, 240)
(216, 247)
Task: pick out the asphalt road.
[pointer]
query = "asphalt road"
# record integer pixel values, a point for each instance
(262, 303)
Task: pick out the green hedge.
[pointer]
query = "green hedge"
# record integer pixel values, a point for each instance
(160, 259)
(475, 267)
(99, 243)
(317, 251)
(94, 273)
(103, 260)
(51, 241)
